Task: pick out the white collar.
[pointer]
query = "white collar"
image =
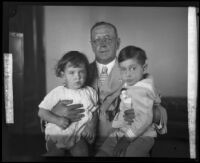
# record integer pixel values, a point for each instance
(109, 66)
(147, 82)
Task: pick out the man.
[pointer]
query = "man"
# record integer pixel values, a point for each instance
(105, 78)
(105, 43)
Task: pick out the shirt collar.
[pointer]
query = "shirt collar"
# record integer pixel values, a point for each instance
(109, 66)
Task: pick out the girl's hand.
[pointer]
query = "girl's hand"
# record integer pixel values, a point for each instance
(89, 133)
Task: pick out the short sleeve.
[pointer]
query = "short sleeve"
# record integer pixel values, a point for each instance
(51, 99)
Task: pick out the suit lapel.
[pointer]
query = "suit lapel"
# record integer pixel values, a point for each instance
(111, 86)
(93, 76)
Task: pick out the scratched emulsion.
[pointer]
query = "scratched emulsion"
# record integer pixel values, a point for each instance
(192, 78)
(8, 87)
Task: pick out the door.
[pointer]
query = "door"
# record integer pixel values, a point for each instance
(23, 27)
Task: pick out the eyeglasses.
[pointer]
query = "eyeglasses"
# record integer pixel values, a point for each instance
(105, 40)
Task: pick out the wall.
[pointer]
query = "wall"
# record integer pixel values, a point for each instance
(160, 31)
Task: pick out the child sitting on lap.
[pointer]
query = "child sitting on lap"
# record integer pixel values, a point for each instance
(73, 137)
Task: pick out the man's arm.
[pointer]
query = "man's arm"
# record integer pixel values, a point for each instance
(72, 112)
(156, 114)
(62, 109)
(160, 119)
(53, 118)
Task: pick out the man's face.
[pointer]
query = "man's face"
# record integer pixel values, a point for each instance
(104, 43)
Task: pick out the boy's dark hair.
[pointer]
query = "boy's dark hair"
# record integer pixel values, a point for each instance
(73, 57)
(103, 23)
(134, 52)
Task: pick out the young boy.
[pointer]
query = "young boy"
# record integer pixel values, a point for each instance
(138, 93)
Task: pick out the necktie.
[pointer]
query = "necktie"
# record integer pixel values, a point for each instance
(104, 75)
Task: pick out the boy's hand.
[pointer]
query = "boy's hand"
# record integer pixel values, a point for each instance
(129, 115)
(121, 147)
(63, 122)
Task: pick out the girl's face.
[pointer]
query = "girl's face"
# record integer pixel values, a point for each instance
(132, 71)
(74, 77)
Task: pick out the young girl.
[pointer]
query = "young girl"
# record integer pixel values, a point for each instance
(135, 139)
(72, 68)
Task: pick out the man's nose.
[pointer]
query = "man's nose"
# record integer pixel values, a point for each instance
(102, 43)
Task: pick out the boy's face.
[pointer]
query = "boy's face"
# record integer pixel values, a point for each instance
(74, 76)
(132, 71)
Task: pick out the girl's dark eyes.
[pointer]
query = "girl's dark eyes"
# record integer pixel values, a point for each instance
(72, 72)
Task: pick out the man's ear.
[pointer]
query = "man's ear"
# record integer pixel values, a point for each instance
(145, 66)
(93, 47)
(118, 42)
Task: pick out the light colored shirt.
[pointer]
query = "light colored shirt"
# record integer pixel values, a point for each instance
(143, 95)
(86, 96)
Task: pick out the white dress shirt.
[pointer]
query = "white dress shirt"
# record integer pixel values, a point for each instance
(109, 66)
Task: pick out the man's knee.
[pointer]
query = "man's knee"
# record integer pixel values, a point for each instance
(107, 147)
(141, 147)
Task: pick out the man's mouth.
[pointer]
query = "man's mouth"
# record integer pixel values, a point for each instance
(103, 51)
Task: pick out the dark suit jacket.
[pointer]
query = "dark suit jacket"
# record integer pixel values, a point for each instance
(109, 95)
(111, 88)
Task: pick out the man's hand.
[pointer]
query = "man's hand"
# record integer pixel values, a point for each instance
(129, 115)
(156, 114)
(72, 112)
(63, 122)
(121, 147)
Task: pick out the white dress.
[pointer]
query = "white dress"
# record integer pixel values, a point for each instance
(66, 138)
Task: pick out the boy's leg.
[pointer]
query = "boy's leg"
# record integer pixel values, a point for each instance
(80, 148)
(140, 147)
